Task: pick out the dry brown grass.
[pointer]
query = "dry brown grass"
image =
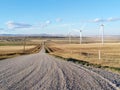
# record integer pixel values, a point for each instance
(8, 49)
(13, 51)
(110, 52)
(14, 45)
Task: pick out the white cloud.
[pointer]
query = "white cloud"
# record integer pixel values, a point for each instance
(98, 20)
(1, 28)
(58, 20)
(3, 32)
(113, 19)
(16, 25)
(45, 24)
(48, 22)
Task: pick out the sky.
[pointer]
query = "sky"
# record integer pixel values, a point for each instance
(59, 17)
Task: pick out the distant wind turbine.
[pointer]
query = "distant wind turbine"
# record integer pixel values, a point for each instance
(80, 31)
(102, 37)
(102, 40)
(80, 36)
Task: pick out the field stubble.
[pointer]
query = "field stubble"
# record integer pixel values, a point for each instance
(110, 53)
(14, 46)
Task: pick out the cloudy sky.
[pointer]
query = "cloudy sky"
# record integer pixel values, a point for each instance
(59, 16)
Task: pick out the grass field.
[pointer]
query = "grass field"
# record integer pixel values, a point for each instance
(9, 49)
(14, 46)
(110, 52)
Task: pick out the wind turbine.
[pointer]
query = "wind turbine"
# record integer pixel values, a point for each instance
(24, 43)
(102, 37)
(80, 33)
(80, 36)
(102, 40)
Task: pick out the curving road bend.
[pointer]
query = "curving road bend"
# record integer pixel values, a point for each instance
(44, 72)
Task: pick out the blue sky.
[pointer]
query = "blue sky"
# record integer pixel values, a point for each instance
(59, 16)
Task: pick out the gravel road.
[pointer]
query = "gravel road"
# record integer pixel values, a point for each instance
(44, 72)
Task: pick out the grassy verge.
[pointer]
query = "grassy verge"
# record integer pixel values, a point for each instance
(18, 53)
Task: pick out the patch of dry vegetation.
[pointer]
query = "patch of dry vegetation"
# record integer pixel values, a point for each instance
(12, 51)
(110, 52)
(14, 46)
(7, 49)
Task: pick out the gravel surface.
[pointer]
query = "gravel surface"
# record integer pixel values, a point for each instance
(44, 72)
(114, 78)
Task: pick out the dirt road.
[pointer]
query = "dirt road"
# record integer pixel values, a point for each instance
(44, 72)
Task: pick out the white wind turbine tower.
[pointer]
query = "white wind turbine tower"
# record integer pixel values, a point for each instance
(80, 35)
(102, 37)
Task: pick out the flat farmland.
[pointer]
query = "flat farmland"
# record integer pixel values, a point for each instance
(109, 52)
(14, 46)
(9, 49)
